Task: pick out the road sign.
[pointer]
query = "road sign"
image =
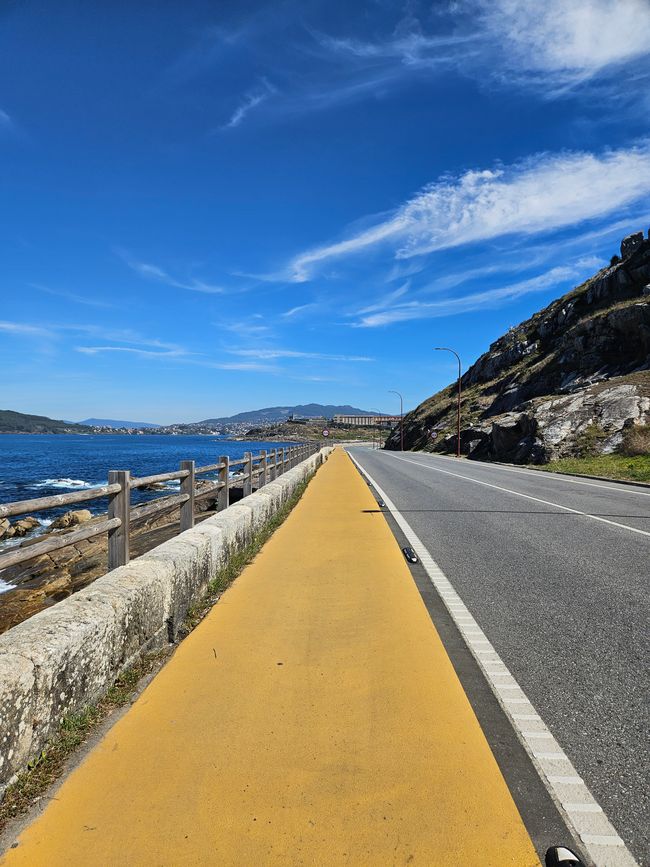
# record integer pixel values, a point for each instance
(326, 433)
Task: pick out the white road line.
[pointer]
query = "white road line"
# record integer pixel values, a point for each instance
(519, 494)
(550, 476)
(592, 826)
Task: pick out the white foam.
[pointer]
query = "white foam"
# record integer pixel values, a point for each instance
(4, 586)
(67, 484)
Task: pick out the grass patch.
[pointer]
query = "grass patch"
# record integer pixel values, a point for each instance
(48, 766)
(632, 469)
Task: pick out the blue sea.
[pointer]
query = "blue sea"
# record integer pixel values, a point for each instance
(40, 465)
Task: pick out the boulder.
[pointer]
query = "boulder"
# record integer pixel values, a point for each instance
(630, 244)
(6, 530)
(71, 519)
(512, 437)
(25, 526)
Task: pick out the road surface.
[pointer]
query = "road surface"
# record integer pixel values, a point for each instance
(555, 571)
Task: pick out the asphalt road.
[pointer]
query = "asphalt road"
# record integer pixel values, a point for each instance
(556, 573)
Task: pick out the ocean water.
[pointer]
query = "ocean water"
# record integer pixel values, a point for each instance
(40, 465)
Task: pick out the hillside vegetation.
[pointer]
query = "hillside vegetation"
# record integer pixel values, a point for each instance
(18, 422)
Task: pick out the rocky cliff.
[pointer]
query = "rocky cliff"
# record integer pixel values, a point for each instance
(575, 375)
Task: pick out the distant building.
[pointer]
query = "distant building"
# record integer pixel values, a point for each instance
(307, 419)
(365, 420)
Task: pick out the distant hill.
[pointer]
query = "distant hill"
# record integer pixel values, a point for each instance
(18, 422)
(116, 423)
(282, 413)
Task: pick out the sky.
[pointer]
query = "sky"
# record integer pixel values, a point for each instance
(209, 207)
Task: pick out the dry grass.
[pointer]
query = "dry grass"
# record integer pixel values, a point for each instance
(636, 441)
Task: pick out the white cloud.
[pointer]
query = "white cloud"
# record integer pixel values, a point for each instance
(294, 311)
(71, 296)
(293, 353)
(143, 353)
(545, 192)
(154, 272)
(24, 329)
(572, 40)
(386, 301)
(6, 122)
(251, 100)
(565, 274)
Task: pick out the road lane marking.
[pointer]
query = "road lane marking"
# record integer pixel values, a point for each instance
(599, 836)
(519, 494)
(545, 475)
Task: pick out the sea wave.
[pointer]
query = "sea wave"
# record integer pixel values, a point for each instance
(65, 484)
(4, 586)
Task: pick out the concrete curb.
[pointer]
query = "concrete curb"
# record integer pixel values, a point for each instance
(66, 657)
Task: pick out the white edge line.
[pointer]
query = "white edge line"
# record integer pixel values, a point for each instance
(606, 837)
(525, 496)
(546, 474)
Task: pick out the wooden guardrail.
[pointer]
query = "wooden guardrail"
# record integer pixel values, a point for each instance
(265, 467)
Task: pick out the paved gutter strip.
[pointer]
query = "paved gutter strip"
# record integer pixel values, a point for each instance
(583, 813)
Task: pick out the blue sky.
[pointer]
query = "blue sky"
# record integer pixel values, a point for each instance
(209, 207)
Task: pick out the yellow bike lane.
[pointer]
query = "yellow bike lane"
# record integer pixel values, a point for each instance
(312, 718)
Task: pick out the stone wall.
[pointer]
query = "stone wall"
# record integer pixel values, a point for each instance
(65, 658)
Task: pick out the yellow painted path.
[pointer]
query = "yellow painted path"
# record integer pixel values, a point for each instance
(312, 718)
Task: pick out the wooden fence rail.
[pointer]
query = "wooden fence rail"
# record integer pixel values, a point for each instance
(256, 470)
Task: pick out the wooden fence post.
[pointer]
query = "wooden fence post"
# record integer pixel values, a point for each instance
(187, 487)
(248, 481)
(223, 497)
(262, 479)
(119, 506)
(274, 464)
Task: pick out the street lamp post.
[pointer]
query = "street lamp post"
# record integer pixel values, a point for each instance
(446, 349)
(401, 418)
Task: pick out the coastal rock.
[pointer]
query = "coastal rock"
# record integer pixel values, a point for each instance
(6, 530)
(71, 519)
(631, 243)
(25, 526)
(561, 383)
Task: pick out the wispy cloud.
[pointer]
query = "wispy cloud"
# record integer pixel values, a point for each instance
(565, 274)
(293, 353)
(294, 311)
(388, 300)
(143, 353)
(562, 44)
(155, 272)
(251, 100)
(71, 296)
(555, 44)
(6, 123)
(543, 193)
(21, 328)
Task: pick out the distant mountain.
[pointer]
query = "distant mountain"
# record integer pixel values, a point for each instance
(112, 422)
(19, 422)
(282, 413)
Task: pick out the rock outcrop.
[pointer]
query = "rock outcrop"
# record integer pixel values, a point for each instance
(579, 369)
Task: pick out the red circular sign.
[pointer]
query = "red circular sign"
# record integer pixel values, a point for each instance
(326, 433)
